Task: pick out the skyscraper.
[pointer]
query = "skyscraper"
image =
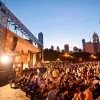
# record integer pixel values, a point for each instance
(58, 49)
(66, 48)
(83, 43)
(89, 47)
(75, 49)
(40, 38)
(95, 43)
(52, 47)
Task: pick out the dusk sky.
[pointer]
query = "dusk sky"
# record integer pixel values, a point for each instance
(61, 21)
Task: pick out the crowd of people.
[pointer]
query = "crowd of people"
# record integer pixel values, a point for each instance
(61, 81)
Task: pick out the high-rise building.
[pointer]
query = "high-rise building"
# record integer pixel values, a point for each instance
(75, 49)
(83, 43)
(40, 38)
(92, 47)
(58, 49)
(89, 47)
(96, 43)
(52, 47)
(66, 48)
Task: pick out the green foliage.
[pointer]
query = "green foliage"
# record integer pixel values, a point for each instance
(51, 55)
(84, 55)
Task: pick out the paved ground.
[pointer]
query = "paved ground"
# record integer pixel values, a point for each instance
(7, 93)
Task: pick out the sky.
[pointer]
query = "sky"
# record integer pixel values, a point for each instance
(61, 21)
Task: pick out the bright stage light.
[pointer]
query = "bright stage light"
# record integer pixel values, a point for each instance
(4, 59)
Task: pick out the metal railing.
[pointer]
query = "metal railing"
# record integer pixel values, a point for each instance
(11, 17)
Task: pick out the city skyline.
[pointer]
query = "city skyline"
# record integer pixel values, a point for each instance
(60, 21)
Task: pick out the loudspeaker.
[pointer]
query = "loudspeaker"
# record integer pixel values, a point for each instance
(14, 43)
